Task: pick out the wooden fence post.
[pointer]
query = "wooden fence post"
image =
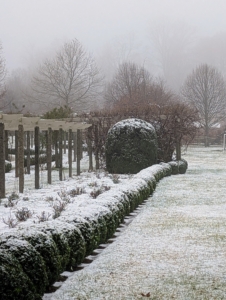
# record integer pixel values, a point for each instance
(37, 186)
(2, 161)
(75, 145)
(6, 145)
(49, 155)
(28, 152)
(16, 154)
(61, 154)
(70, 152)
(78, 150)
(21, 157)
(90, 151)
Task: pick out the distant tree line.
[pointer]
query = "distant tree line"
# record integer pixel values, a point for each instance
(72, 79)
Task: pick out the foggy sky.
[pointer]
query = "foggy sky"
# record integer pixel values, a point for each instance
(28, 27)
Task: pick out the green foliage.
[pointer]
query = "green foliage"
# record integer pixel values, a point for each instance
(42, 160)
(179, 166)
(88, 233)
(58, 113)
(168, 169)
(30, 261)
(33, 260)
(15, 284)
(32, 151)
(174, 166)
(47, 248)
(8, 166)
(183, 165)
(131, 146)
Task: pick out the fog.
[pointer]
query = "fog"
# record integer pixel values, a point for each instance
(115, 30)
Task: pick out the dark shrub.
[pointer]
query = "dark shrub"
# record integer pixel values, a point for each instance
(15, 284)
(175, 167)
(30, 261)
(131, 146)
(8, 166)
(183, 165)
(47, 248)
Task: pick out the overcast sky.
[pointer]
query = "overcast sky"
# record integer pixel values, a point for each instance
(29, 26)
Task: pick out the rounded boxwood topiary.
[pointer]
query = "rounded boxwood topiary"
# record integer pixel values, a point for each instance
(183, 165)
(45, 245)
(30, 261)
(167, 167)
(69, 241)
(88, 233)
(131, 146)
(178, 166)
(175, 167)
(15, 284)
(8, 166)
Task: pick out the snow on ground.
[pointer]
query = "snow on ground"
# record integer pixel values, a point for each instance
(37, 201)
(174, 249)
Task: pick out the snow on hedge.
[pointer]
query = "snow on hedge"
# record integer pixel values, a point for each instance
(131, 146)
(62, 242)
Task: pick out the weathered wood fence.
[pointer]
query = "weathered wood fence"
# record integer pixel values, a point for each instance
(27, 125)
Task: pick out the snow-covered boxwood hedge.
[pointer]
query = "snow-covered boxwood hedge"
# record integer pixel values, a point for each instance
(32, 259)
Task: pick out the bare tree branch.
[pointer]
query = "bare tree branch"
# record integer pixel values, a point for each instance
(70, 78)
(205, 89)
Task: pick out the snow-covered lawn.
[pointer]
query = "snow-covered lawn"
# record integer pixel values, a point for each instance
(40, 203)
(174, 249)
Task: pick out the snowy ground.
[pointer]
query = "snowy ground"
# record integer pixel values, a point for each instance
(40, 203)
(174, 249)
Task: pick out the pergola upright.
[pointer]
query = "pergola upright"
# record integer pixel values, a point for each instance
(20, 124)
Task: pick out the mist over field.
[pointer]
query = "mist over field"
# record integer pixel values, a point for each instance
(169, 38)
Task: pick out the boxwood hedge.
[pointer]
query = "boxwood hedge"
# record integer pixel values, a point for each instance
(32, 259)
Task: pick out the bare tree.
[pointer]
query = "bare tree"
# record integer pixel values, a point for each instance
(205, 89)
(70, 78)
(130, 84)
(133, 85)
(15, 87)
(2, 79)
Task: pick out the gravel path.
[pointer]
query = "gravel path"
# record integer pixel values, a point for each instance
(174, 249)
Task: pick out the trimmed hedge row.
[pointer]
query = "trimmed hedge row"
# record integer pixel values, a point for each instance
(8, 166)
(32, 151)
(32, 259)
(42, 159)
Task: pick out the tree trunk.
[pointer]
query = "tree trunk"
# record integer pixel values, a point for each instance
(207, 143)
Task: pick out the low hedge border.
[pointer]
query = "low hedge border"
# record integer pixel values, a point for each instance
(32, 259)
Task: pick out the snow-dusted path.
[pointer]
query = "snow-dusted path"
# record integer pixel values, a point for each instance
(174, 249)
